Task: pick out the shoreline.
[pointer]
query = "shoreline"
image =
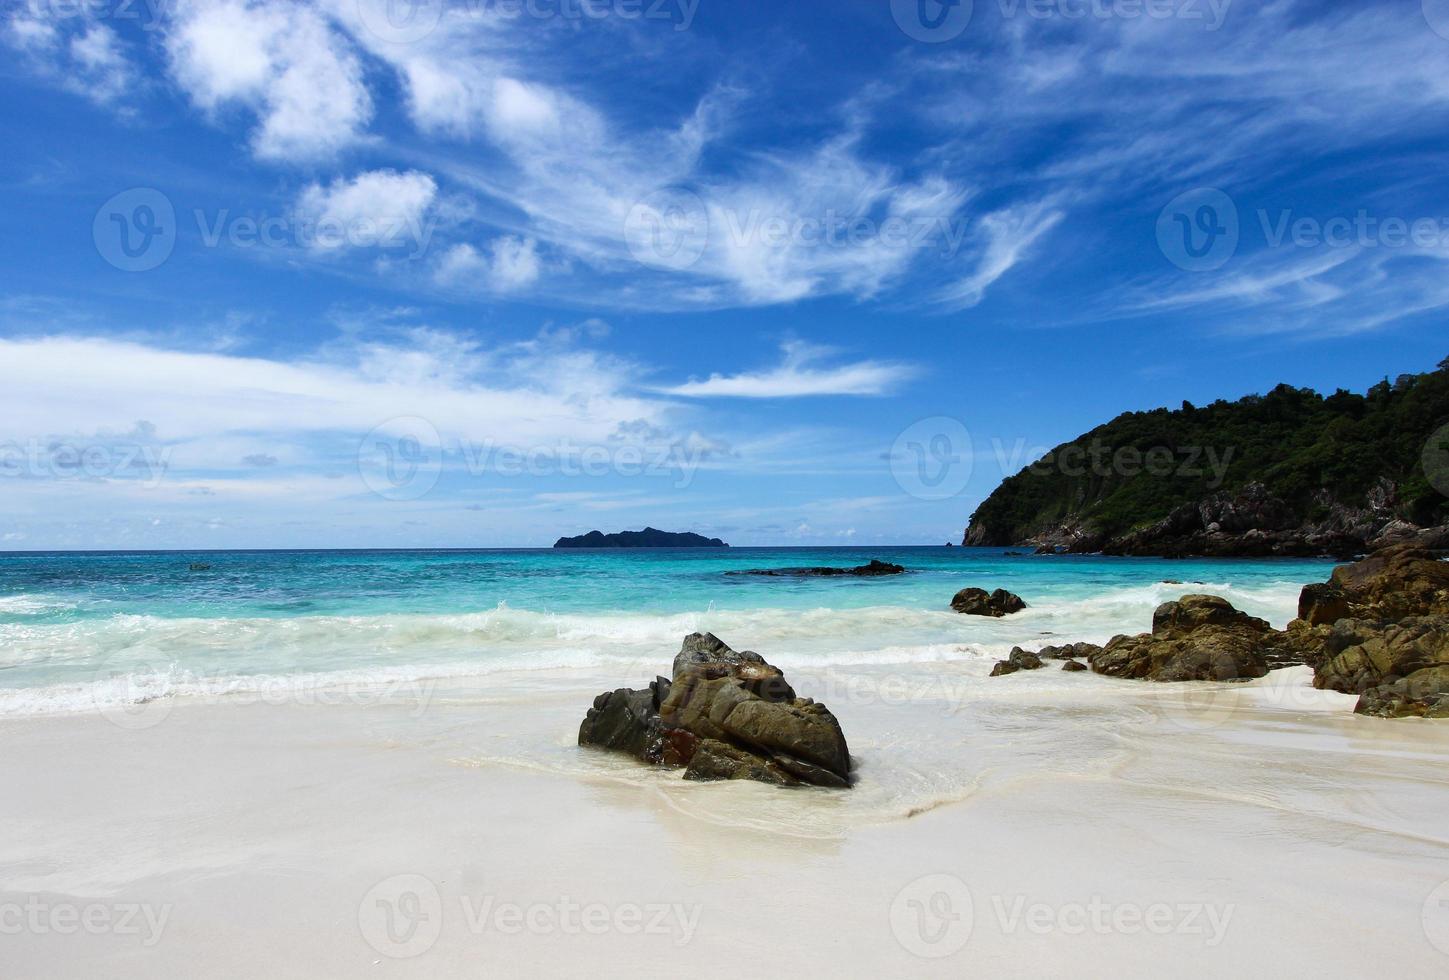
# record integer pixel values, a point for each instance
(1045, 822)
(311, 826)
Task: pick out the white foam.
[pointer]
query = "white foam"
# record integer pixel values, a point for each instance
(136, 658)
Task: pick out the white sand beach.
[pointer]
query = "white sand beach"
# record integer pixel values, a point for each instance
(1044, 824)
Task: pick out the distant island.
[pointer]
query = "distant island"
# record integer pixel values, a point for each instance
(1292, 472)
(648, 538)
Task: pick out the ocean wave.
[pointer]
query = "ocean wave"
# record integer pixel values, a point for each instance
(134, 659)
(32, 605)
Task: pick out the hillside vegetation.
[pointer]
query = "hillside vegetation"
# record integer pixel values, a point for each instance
(1312, 452)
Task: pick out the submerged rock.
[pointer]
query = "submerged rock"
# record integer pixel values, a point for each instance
(1074, 665)
(978, 602)
(876, 567)
(726, 714)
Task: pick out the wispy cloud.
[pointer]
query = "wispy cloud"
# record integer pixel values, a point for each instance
(1008, 235)
(76, 52)
(801, 374)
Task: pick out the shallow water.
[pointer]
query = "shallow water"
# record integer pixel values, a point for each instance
(82, 629)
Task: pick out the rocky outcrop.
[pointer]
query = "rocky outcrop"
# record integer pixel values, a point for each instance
(978, 602)
(648, 538)
(1195, 638)
(1359, 654)
(1395, 582)
(725, 714)
(876, 567)
(1379, 628)
(1248, 523)
(1252, 523)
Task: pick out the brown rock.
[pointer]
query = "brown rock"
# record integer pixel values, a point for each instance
(715, 760)
(726, 714)
(1360, 655)
(1393, 583)
(1423, 694)
(1322, 604)
(1196, 638)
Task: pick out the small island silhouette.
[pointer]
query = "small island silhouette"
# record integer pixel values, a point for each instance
(648, 538)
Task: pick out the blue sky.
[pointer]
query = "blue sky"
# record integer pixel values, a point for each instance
(283, 273)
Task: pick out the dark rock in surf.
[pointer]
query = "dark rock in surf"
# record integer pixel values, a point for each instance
(1018, 659)
(978, 602)
(876, 567)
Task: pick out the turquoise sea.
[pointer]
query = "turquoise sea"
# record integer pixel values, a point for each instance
(75, 627)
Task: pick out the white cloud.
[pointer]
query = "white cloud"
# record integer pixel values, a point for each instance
(508, 265)
(797, 378)
(376, 207)
(284, 61)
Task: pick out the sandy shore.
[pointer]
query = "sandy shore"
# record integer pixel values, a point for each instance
(1089, 828)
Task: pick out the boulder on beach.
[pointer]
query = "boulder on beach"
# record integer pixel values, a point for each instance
(979, 602)
(1398, 668)
(1379, 628)
(1395, 582)
(725, 714)
(1195, 638)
